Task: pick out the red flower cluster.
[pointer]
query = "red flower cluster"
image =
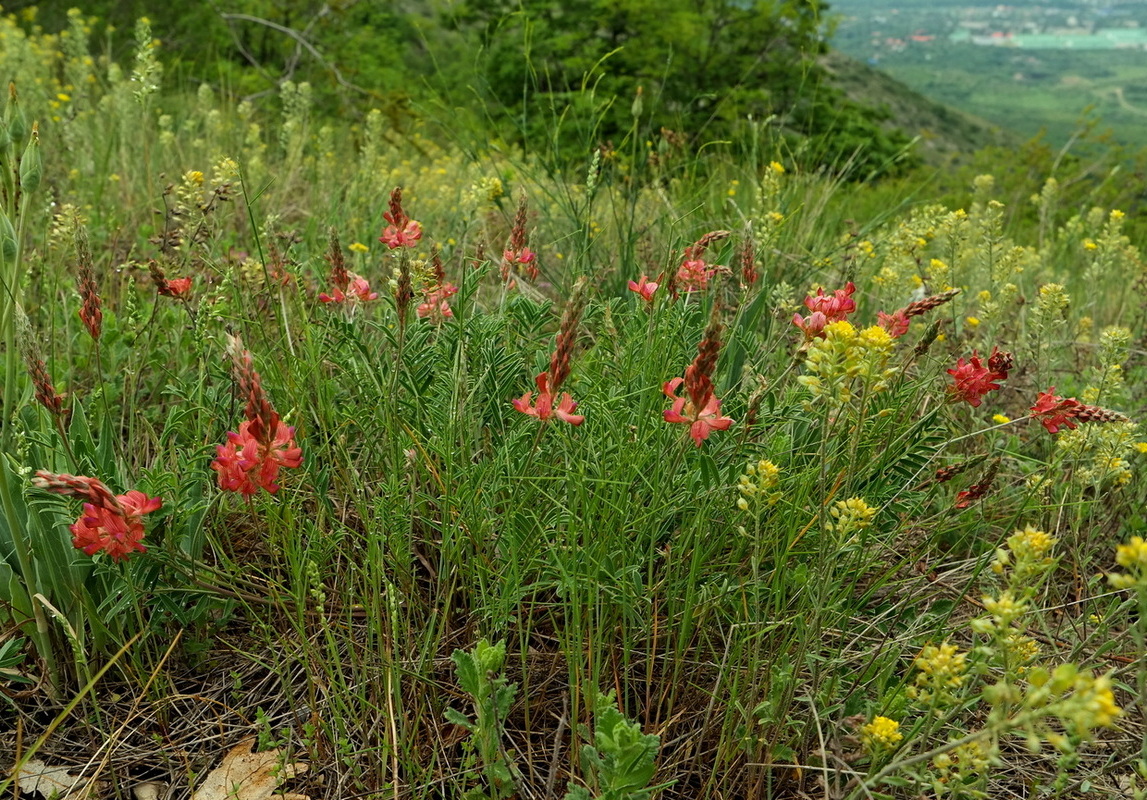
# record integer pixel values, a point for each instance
(402, 230)
(356, 289)
(825, 309)
(517, 255)
(972, 380)
(248, 461)
(111, 523)
(1055, 412)
(695, 272)
(435, 303)
(700, 408)
(544, 408)
(252, 457)
(176, 287)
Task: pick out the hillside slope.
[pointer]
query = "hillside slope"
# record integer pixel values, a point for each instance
(944, 133)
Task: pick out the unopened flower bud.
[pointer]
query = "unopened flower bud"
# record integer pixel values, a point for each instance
(31, 166)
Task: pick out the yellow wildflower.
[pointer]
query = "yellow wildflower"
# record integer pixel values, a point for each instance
(851, 515)
(882, 733)
(1000, 419)
(358, 247)
(1132, 555)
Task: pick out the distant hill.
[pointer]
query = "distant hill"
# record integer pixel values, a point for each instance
(945, 132)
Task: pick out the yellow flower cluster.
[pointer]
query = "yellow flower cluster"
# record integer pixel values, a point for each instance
(767, 213)
(1132, 557)
(847, 363)
(943, 669)
(1026, 553)
(881, 734)
(1083, 701)
(757, 486)
(487, 189)
(1097, 707)
(1051, 305)
(1004, 610)
(850, 516)
(964, 763)
(1098, 453)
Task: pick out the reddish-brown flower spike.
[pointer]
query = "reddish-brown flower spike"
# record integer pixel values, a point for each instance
(90, 313)
(1056, 412)
(1086, 413)
(748, 259)
(517, 254)
(567, 336)
(340, 278)
(550, 403)
(402, 230)
(45, 390)
(700, 408)
(978, 490)
(945, 474)
(46, 394)
(928, 303)
(111, 523)
(259, 411)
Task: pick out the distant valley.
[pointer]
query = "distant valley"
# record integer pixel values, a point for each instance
(1029, 67)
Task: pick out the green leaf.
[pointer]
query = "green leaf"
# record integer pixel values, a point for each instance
(467, 672)
(456, 717)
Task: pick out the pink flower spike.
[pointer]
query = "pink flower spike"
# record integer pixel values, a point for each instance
(113, 524)
(896, 323)
(644, 287)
